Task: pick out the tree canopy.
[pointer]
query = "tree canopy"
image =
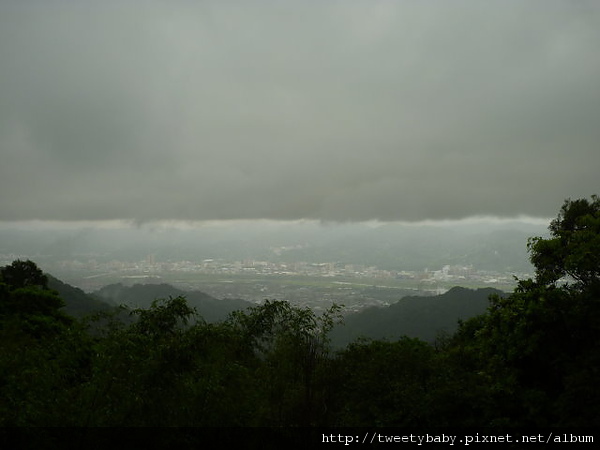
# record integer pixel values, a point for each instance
(23, 274)
(573, 249)
(539, 348)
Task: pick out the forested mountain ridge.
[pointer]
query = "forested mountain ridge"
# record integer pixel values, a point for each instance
(209, 308)
(77, 302)
(423, 317)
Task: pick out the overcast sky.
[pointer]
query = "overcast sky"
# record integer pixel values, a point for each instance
(328, 110)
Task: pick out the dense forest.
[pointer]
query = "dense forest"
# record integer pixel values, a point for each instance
(532, 358)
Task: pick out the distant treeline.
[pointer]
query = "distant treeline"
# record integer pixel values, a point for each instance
(531, 358)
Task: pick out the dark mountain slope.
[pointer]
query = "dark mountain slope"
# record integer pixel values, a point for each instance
(77, 302)
(142, 296)
(421, 317)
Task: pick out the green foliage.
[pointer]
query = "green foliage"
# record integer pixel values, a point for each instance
(165, 317)
(537, 345)
(23, 274)
(27, 304)
(170, 368)
(39, 354)
(38, 373)
(293, 347)
(573, 250)
(32, 301)
(385, 383)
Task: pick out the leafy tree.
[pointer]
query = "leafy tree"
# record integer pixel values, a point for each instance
(168, 368)
(293, 347)
(163, 317)
(23, 274)
(573, 249)
(42, 351)
(385, 383)
(26, 303)
(132, 360)
(539, 347)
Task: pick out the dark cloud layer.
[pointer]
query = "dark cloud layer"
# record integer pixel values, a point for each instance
(330, 110)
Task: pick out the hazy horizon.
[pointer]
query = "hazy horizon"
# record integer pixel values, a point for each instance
(484, 243)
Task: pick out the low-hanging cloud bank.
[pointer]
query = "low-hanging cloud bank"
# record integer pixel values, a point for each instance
(342, 111)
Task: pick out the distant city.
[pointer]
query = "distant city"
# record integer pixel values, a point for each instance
(313, 284)
(306, 264)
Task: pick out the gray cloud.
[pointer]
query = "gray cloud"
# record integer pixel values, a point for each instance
(328, 110)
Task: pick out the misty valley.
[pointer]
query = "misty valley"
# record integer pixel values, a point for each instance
(288, 344)
(255, 261)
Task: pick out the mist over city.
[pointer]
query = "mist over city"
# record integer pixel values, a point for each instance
(304, 262)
